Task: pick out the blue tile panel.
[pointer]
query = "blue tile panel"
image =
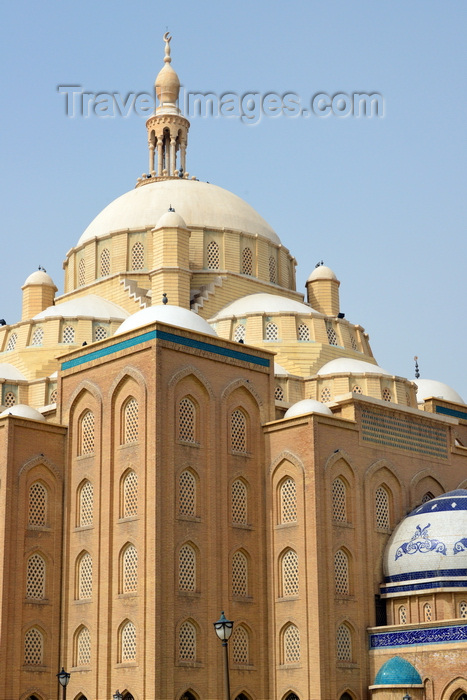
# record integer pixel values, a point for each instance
(424, 586)
(171, 337)
(450, 502)
(404, 434)
(451, 412)
(433, 635)
(417, 575)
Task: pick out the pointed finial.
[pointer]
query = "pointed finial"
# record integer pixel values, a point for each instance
(165, 298)
(167, 39)
(417, 373)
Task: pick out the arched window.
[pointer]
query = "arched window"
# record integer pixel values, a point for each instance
(382, 508)
(344, 643)
(100, 333)
(187, 642)
(341, 573)
(129, 495)
(303, 332)
(428, 496)
(289, 568)
(83, 647)
(188, 696)
(213, 257)
(402, 615)
(239, 332)
(239, 502)
(240, 646)
(68, 335)
(137, 256)
(463, 609)
(331, 333)
(187, 420)
(85, 504)
(86, 434)
(427, 612)
(278, 393)
(272, 331)
(288, 501)
(187, 568)
(339, 501)
(33, 647)
(130, 421)
(292, 696)
(84, 577)
(187, 493)
(53, 396)
(129, 563)
(272, 269)
(325, 395)
(38, 336)
(11, 342)
(81, 272)
(291, 645)
(37, 511)
(105, 262)
(239, 575)
(353, 343)
(247, 261)
(238, 437)
(9, 399)
(35, 578)
(386, 395)
(128, 642)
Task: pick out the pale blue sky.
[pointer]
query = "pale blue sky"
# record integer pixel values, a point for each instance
(381, 201)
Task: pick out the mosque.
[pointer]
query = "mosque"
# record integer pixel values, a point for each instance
(183, 432)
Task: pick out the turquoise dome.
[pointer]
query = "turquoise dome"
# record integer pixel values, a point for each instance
(398, 671)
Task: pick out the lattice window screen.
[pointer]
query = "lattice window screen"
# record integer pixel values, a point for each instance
(239, 502)
(382, 508)
(386, 395)
(38, 336)
(290, 584)
(86, 504)
(213, 258)
(105, 262)
(272, 270)
(344, 643)
(68, 335)
(11, 342)
(339, 501)
(353, 343)
(35, 578)
(463, 609)
(33, 647)
(9, 399)
(325, 394)
(288, 501)
(187, 494)
(137, 256)
(53, 396)
(427, 497)
(402, 615)
(272, 331)
(131, 426)
(100, 333)
(187, 642)
(187, 568)
(37, 505)
(332, 337)
(81, 272)
(341, 573)
(239, 332)
(291, 645)
(130, 569)
(278, 393)
(357, 389)
(247, 261)
(85, 577)
(128, 641)
(239, 574)
(427, 612)
(87, 434)
(303, 332)
(238, 440)
(187, 420)
(83, 648)
(240, 646)
(130, 495)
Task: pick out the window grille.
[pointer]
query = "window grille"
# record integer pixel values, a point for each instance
(290, 573)
(33, 647)
(11, 342)
(130, 495)
(100, 333)
(272, 269)
(278, 393)
(213, 257)
(35, 578)
(325, 394)
(240, 646)
(292, 696)
(37, 515)
(386, 395)
(344, 643)
(128, 642)
(53, 396)
(137, 256)
(105, 262)
(87, 434)
(463, 609)
(130, 418)
(427, 497)
(238, 441)
(427, 612)
(247, 261)
(9, 399)
(341, 573)
(402, 615)
(272, 331)
(239, 332)
(303, 332)
(353, 343)
(187, 568)
(187, 642)
(86, 504)
(68, 335)
(292, 645)
(187, 493)
(85, 577)
(239, 502)
(83, 648)
(130, 569)
(187, 418)
(339, 501)
(332, 337)
(382, 508)
(239, 575)
(288, 501)
(37, 336)
(357, 389)
(82, 272)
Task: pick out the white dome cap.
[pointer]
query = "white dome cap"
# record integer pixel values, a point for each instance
(175, 315)
(39, 277)
(8, 371)
(22, 411)
(348, 365)
(278, 369)
(428, 549)
(322, 272)
(307, 406)
(431, 387)
(89, 306)
(262, 303)
(171, 219)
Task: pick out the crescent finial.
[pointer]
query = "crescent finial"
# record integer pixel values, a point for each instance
(167, 39)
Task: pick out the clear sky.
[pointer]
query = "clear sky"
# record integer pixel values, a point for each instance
(381, 201)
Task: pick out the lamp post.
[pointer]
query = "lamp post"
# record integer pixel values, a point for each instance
(117, 695)
(407, 697)
(223, 628)
(63, 678)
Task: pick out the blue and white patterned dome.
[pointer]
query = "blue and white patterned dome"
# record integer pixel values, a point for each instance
(428, 549)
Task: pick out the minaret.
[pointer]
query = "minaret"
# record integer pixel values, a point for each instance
(167, 128)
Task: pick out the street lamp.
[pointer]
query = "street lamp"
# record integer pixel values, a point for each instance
(407, 697)
(117, 695)
(223, 628)
(63, 678)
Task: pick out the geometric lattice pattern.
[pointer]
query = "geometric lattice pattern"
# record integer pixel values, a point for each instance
(105, 262)
(325, 394)
(344, 643)
(427, 497)
(357, 389)
(186, 417)
(187, 642)
(382, 508)
(247, 261)
(35, 578)
(331, 333)
(213, 256)
(53, 396)
(130, 431)
(83, 648)
(33, 647)
(290, 573)
(130, 569)
(11, 342)
(86, 504)
(37, 505)
(68, 335)
(87, 434)
(272, 269)
(402, 615)
(303, 332)
(463, 609)
(291, 645)
(341, 573)
(288, 501)
(240, 646)
(85, 577)
(272, 331)
(353, 343)
(239, 575)
(81, 272)
(187, 494)
(187, 568)
(137, 256)
(130, 495)
(9, 399)
(427, 612)
(240, 332)
(279, 393)
(239, 502)
(38, 336)
(386, 395)
(100, 333)
(339, 501)
(238, 432)
(128, 642)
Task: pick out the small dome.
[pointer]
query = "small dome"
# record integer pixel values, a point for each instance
(307, 406)
(167, 85)
(348, 365)
(39, 277)
(23, 411)
(174, 315)
(398, 671)
(262, 303)
(322, 272)
(278, 369)
(89, 306)
(8, 371)
(431, 387)
(171, 220)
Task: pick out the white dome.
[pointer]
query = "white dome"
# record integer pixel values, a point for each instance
(89, 306)
(428, 549)
(23, 411)
(322, 272)
(307, 406)
(344, 365)
(171, 219)
(40, 277)
(7, 371)
(431, 387)
(278, 369)
(262, 303)
(198, 203)
(175, 315)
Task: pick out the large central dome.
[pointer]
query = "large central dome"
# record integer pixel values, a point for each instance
(199, 203)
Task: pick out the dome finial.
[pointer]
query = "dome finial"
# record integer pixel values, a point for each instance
(417, 373)
(167, 38)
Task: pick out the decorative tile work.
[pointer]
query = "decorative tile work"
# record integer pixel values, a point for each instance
(451, 412)
(433, 635)
(405, 434)
(420, 542)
